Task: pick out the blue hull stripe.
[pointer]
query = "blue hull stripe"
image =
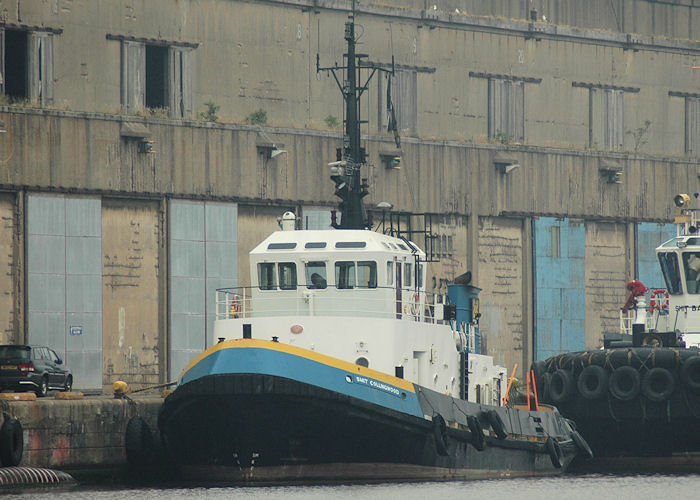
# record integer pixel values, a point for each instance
(282, 364)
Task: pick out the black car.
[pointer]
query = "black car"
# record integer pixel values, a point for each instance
(32, 368)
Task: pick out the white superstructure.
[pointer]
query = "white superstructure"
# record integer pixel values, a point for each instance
(359, 296)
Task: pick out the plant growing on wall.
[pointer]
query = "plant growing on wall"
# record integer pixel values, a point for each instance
(501, 138)
(332, 122)
(209, 114)
(640, 135)
(258, 117)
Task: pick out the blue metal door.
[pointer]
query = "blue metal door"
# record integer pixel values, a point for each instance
(560, 248)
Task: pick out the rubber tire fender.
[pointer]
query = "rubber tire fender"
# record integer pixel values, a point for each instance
(658, 384)
(554, 452)
(582, 445)
(11, 442)
(561, 386)
(690, 373)
(440, 434)
(43, 389)
(138, 442)
(478, 439)
(497, 424)
(625, 383)
(592, 382)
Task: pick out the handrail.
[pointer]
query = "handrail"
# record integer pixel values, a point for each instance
(374, 302)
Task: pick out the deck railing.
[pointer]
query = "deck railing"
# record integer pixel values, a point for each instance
(250, 302)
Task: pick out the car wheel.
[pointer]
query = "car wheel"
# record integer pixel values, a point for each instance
(69, 384)
(43, 388)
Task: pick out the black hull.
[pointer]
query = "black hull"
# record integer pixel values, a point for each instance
(261, 427)
(638, 426)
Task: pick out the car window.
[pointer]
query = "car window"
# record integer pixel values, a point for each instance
(14, 352)
(53, 356)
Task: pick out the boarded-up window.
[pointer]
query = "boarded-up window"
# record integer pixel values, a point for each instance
(404, 94)
(180, 82)
(133, 76)
(26, 65)
(41, 67)
(506, 110)
(692, 125)
(606, 118)
(156, 76)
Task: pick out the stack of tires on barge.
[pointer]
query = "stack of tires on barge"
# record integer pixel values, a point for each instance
(640, 394)
(637, 401)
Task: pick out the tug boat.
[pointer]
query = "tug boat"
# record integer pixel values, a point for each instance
(335, 363)
(639, 396)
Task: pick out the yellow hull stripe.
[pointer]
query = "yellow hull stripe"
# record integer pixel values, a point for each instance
(303, 353)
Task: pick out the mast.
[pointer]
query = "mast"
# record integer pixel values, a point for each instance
(350, 187)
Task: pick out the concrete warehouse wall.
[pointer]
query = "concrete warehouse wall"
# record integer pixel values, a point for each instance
(81, 139)
(246, 56)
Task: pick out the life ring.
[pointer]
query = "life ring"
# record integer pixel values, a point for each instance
(593, 382)
(624, 383)
(11, 442)
(138, 442)
(658, 300)
(440, 434)
(561, 386)
(658, 384)
(690, 373)
(478, 439)
(497, 424)
(555, 453)
(581, 444)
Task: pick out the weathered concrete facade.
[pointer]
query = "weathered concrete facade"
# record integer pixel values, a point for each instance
(608, 87)
(83, 433)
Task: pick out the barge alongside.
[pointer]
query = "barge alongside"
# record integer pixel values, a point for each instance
(336, 363)
(639, 396)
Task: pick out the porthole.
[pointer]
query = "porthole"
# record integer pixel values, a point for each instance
(362, 361)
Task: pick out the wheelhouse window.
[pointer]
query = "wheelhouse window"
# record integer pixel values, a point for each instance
(671, 271)
(316, 278)
(345, 275)
(287, 275)
(691, 265)
(367, 274)
(266, 276)
(408, 274)
(389, 273)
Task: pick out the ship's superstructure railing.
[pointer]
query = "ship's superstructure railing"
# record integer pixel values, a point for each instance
(657, 315)
(251, 302)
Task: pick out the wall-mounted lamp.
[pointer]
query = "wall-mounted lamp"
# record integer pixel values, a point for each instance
(269, 150)
(505, 164)
(610, 171)
(611, 176)
(134, 131)
(391, 159)
(146, 146)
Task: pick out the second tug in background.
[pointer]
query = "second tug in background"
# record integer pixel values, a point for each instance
(335, 364)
